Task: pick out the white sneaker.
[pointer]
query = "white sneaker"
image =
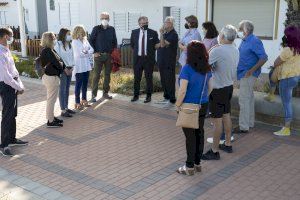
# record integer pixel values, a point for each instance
(211, 140)
(165, 101)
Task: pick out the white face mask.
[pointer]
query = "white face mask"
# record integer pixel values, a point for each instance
(68, 38)
(55, 42)
(104, 22)
(10, 41)
(241, 34)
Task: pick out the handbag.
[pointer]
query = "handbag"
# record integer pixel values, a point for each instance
(188, 116)
(275, 73)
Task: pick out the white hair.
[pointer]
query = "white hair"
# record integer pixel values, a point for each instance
(105, 13)
(229, 32)
(170, 19)
(247, 26)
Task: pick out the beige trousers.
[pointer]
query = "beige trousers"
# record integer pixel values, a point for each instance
(52, 86)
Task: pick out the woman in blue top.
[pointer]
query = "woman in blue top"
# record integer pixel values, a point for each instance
(194, 78)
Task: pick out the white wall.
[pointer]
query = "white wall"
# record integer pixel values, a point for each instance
(272, 47)
(31, 17)
(11, 13)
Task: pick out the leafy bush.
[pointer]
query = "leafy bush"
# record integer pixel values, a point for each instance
(122, 83)
(25, 67)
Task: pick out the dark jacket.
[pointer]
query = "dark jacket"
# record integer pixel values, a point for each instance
(152, 40)
(103, 40)
(54, 64)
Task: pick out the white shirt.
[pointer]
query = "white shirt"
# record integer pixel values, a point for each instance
(82, 60)
(140, 42)
(8, 70)
(66, 54)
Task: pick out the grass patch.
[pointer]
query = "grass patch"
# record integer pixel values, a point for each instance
(122, 83)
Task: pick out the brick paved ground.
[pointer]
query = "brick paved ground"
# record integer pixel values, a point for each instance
(120, 150)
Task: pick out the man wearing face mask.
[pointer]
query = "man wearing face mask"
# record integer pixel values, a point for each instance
(10, 86)
(144, 42)
(252, 58)
(103, 40)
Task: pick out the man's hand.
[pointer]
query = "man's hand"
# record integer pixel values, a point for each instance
(249, 73)
(96, 55)
(20, 92)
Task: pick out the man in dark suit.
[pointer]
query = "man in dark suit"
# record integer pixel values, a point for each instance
(144, 42)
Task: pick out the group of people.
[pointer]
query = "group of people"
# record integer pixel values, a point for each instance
(209, 67)
(207, 78)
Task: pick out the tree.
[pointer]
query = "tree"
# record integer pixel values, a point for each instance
(293, 12)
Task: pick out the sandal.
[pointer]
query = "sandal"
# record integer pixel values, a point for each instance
(85, 103)
(78, 106)
(186, 171)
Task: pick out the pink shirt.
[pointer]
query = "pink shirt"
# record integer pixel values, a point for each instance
(8, 71)
(209, 43)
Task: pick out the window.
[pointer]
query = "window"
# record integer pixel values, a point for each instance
(120, 21)
(68, 13)
(133, 21)
(261, 13)
(52, 4)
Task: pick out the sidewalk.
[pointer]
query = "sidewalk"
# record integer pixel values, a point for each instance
(121, 150)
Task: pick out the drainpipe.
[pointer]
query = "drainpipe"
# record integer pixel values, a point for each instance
(22, 28)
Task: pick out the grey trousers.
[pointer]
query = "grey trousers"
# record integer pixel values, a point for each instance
(246, 102)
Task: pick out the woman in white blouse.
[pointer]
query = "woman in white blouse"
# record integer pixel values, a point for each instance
(64, 49)
(82, 57)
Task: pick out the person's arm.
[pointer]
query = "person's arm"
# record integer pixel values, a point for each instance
(132, 40)
(7, 77)
(78, 50)
(93, 36)
(91, 49)
(210, 86)
(181, 92)
(259, 51)
(278, 61)
(115, 42)
(156, 40)
(50, 56)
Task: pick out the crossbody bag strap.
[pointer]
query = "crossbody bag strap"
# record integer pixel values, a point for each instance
(205, 80)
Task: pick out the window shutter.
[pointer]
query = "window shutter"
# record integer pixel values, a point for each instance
(120, 21)
(133, 21)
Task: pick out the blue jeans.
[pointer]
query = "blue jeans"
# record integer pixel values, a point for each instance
(64, 89)
(286, 87)
(81, 84)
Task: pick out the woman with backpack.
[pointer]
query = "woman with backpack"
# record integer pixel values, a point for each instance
(53, 67)
(65, 51)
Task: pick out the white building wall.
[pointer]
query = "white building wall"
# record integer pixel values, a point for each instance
(30, 12)
(11, 14)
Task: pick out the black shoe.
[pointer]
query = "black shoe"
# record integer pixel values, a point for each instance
(225, 148)
(106, 96)
(71, 111)
(173, 101)
(93, 100)
(7, 152)
(237, 130)
(54, 124)
(18, 142)
(210, 155)
(148, 99)
(58, 120)
(66, 114)
(135, 98)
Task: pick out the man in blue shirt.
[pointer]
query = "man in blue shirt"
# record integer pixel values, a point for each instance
(103, 40)
(252, 58)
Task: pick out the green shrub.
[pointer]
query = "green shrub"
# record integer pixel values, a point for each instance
(122, 83)
(26, 67)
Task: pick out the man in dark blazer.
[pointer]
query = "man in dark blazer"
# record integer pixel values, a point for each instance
(144, 42)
